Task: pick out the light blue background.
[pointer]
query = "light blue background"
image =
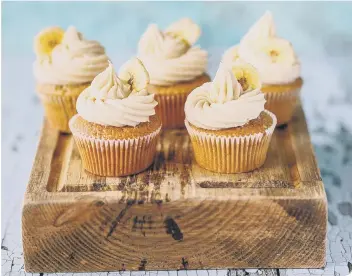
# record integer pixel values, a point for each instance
(320, 32)
(118, 26)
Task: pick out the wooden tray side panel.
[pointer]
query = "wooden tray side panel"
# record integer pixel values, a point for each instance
(96, 235)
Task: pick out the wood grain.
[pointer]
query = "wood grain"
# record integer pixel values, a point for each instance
(175, 215)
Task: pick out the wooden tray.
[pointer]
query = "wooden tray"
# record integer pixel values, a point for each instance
(175, 215)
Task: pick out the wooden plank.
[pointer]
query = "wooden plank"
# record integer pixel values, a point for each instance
(175, 215)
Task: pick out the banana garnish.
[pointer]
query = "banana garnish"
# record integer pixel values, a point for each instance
(184, 29)
(278, 50)
(47, 40)
(247, 76)
(134, 74)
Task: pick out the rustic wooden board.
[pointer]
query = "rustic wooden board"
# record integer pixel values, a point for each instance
(175, 215)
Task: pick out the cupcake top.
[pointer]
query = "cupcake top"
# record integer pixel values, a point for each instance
(66, 57)
(273, 56)
(231, 100)
(118, 99)
(169, 55)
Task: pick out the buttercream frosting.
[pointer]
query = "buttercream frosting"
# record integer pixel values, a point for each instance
(228, 101)
(109, 100)
(74, 61)
(274, 57)
(171, 58)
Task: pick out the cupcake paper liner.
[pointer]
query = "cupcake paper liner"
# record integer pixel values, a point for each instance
(59, 110)
(171, 100)
(170, 109)
(282, 104)
(231, 154)
(116, 157)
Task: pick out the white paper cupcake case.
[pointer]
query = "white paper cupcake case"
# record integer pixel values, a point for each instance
(116, 157)
(170, 108)
(282, 104)
(59, 110)
(231, 154)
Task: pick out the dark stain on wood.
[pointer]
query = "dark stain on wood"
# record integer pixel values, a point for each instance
(125, 182)
(99, 203)
(97, 186)
(244, 184)
(173, 229)
(184, 263)
(304, 213)
(282, 127)
(119, 217)
(172, 152)
(142, 265)
(139, 223)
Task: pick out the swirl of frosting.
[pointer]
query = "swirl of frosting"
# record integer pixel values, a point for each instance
(74, 61)
(231, 100)
(110, 100)
(169, 57)
(273, 57)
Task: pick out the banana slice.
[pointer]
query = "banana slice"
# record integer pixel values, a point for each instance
(47, 40)
(134, 73)
(247, 76)
(184, 29)
(278, 50)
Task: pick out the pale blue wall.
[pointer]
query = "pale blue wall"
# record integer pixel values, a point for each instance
(119, 25)
(321, 33)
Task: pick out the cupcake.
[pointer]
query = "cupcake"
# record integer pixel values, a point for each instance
(65, 65)
(116, 128)
(175, 67)
(277, 63)
(229, 128)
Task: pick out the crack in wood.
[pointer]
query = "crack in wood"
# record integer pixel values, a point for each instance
(117, 220)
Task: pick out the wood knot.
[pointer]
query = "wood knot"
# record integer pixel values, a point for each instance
(78, 212)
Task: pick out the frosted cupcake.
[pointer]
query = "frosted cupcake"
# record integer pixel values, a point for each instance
(277, 63)
(175, 67)
(116, 128)
(66, 64)
(229, 128)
